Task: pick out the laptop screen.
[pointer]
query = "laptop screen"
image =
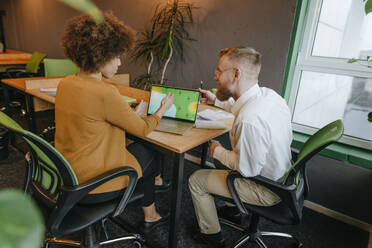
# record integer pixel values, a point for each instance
(185, 103)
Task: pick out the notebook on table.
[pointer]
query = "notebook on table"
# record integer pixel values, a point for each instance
(181, 116)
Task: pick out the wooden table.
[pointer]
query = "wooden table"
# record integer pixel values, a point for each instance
(12, 57)
(32, 94)
(176, 145)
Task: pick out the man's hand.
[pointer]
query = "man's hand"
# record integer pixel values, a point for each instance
(207, 97)
(213, 146)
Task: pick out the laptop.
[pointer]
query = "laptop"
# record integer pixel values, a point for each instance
(181, 116)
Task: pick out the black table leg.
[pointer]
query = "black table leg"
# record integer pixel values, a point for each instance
(31, 113)
(204, 154)
(8, 110)
(176, 199)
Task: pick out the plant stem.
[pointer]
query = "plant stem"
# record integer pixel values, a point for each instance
(150, 64)
(166, 63)
(175, 7)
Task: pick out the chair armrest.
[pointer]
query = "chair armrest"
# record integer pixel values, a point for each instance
(275, 187)
(71, 195)
(294, 153)
(15, 69)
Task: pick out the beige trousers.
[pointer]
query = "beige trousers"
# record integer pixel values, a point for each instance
(203, 183)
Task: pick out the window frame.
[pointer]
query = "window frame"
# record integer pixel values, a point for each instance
(300, 59)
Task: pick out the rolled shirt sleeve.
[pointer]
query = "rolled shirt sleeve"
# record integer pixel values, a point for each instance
(249, 153)
(226, 105)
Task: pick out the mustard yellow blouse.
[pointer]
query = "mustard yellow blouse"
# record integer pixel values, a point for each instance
(91, 120)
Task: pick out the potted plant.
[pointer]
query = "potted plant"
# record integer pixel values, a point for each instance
(164, 40)
(21, 224)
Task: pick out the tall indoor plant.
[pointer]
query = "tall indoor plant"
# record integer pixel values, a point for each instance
(164, 40)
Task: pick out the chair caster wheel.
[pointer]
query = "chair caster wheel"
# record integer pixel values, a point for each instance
(137, 244)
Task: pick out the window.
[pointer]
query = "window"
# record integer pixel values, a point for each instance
(322, 85)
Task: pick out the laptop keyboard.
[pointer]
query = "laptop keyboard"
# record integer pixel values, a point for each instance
(173, 126)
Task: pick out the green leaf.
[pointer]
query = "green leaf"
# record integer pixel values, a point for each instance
(86, 6)
(21, 224)
(368, 7)
(370, 116)
(368, 57)
(352, 60)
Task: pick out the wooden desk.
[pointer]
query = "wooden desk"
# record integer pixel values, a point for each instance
(33, 95)
(176, 145)
(12, 57)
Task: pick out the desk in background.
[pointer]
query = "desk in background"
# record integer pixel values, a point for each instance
(172, 144)
(39, 101)
(12, 57)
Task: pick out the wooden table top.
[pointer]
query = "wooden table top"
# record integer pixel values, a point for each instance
(176, 143)
(13, 57)
(20, 83)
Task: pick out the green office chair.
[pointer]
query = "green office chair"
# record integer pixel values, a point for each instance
(56, 188)
(59, 67)
(293, 189)
(32, 68)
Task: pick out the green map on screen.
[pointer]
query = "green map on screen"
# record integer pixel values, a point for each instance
(184, 106)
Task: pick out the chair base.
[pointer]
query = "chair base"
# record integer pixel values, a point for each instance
(255, 236)
(137, 241)
(90, 241)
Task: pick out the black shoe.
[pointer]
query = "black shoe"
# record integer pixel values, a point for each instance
(233, 215)
(164, 187)
(146, 227)
(212, 240)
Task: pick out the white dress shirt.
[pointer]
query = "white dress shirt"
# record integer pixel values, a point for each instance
(261, 134)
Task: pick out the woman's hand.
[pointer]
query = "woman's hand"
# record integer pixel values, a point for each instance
(140, 108)
(166, 103)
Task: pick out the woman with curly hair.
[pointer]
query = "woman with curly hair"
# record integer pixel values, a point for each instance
(92, 117)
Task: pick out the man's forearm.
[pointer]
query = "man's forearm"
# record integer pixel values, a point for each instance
(226, 105)
(227, 157)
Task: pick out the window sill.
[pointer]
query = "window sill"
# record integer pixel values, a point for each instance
(342, 152)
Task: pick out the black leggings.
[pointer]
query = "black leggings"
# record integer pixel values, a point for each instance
(150, 162)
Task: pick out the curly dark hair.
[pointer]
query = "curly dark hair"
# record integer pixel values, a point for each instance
(91, 46)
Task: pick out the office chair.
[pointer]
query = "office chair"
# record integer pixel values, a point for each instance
(32, 68)
(293, 189)
(57, 190)
(59, 67)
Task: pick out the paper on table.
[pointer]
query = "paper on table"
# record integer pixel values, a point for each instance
(214, 115)
(48, 89)
(129, 99)
(210, 124)
(42, 83)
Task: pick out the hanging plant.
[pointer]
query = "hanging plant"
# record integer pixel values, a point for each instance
(86, 6)
(164, 40)
(368, 6)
